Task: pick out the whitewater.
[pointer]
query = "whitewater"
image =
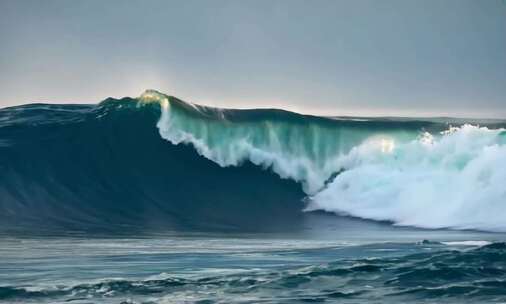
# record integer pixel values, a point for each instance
(429, 175)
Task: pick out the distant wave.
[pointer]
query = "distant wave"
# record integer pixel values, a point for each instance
(133, 162)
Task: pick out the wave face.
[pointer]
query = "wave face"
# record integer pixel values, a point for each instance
(133, 161)
(105, 166)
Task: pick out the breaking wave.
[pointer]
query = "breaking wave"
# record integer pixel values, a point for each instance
(453, 177)
(132, 162)
(455, 180)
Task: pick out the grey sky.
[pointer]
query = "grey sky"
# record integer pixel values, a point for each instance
(416, 58)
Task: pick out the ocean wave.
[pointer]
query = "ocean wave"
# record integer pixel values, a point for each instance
(134, 163)
(450, 178)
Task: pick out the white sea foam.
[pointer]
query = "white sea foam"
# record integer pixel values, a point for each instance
(468, 243)
(456, 180)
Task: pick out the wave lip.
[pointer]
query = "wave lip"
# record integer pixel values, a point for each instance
(304, 148)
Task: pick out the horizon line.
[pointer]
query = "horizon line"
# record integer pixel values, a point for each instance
(261, 107)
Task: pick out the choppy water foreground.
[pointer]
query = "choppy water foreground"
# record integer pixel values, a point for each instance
(254, 269)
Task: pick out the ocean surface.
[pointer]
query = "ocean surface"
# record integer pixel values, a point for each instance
(156, 200)
(453, 268)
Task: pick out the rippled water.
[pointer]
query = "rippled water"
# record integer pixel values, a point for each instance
(252, 269)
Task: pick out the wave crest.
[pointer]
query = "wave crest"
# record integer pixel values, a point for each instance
(304, 148)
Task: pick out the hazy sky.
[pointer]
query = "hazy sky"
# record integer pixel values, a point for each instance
(417, 58)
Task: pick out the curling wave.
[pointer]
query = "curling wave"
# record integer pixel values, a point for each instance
(453, 177)
(132, 163)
